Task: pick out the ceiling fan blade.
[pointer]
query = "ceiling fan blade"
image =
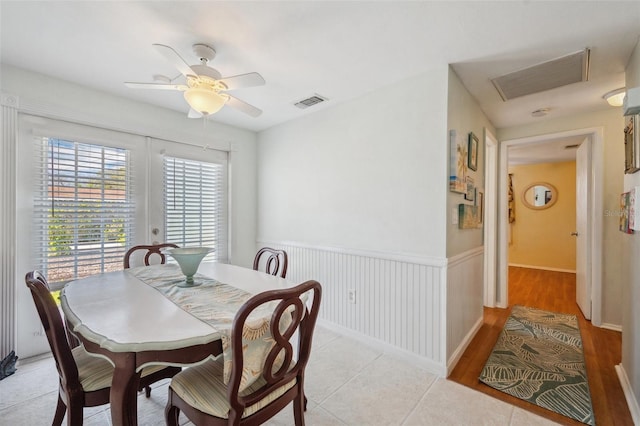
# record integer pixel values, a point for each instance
(173, 57)
(193, 113)
(243, 80)
(161, 86)
(243, 106)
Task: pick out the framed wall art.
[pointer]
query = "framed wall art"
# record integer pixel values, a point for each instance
(470, 195)
(467, 216)
(457, 164)
(625, 206)
(473, 152)
(632, 144)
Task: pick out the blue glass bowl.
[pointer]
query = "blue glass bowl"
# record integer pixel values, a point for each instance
(189, 259)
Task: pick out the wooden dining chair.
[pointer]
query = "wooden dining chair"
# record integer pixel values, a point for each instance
(230, 390)
(85, 380)
(154, 249)
(275, 261)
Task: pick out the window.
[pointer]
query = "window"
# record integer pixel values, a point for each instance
(88, 194)
(83, 209)
(195, 204)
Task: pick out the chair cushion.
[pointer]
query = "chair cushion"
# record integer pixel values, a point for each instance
(96, 372)
(202, 386)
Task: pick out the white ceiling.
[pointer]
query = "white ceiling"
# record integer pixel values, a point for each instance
(338, 49)
(548, 151)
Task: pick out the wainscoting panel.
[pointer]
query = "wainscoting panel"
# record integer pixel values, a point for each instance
(398, 300)
(465, 286)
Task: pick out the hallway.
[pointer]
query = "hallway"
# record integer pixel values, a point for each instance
(552, 291)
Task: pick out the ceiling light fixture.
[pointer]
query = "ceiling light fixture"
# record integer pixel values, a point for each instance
(615, 97)
(204, 101)
(203, 94)
(205, 87)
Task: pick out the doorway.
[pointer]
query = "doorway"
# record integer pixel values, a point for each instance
(593, 261)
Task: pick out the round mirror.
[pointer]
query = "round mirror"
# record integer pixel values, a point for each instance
(539, 195)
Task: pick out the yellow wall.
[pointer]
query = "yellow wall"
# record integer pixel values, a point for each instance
(542, 238)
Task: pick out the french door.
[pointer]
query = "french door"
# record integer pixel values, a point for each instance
(176, 193)
(188, 196)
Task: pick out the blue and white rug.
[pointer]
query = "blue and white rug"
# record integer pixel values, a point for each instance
(539, 358)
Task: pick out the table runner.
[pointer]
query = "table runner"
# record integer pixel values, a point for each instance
(217, 303)
(211, 301)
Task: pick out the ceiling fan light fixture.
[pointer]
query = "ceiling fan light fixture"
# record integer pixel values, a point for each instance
(205, 88)
(204, 101)
(615, 97)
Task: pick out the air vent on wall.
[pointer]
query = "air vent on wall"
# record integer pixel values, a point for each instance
(310, 101)
(568, 69)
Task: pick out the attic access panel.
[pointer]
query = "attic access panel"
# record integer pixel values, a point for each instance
(569, 69)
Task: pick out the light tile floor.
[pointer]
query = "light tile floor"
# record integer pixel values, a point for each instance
(361, 386)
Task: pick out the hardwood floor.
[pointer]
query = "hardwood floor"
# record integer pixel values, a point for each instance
(552, 291)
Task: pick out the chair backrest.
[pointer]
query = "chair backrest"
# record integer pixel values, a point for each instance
(150, 250)
(275, 261)
(54, 328)
(284, 362)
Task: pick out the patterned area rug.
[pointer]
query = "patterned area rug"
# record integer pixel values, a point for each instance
(538, 358)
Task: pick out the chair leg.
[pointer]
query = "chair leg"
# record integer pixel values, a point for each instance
(60, 410)
(74, 414)
(147, 391)
(299, 407)
(171, 412)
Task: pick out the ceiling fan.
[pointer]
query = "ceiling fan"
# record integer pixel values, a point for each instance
(205, 88)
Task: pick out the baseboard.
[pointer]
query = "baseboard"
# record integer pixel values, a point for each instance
(613, 327)
(33, 358)
(430, 365)
(457, 354)
(544, 268)
(632, 402)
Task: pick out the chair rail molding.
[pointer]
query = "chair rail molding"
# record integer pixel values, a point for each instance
(9, 125)
(395, 298)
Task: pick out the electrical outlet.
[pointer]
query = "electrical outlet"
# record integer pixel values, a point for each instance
(351, 296)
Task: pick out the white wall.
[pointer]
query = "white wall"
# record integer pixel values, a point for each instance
(612, 122)
(356, 194)
(631, 279)
(367, 174)
(465, 116)
(41, 95)
(465, 271)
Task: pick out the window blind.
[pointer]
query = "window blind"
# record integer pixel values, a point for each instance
(83, 208)
(195, 200)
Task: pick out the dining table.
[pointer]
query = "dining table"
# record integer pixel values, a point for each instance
(141, 316)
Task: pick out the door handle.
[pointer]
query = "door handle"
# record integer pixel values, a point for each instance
(574, 234)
